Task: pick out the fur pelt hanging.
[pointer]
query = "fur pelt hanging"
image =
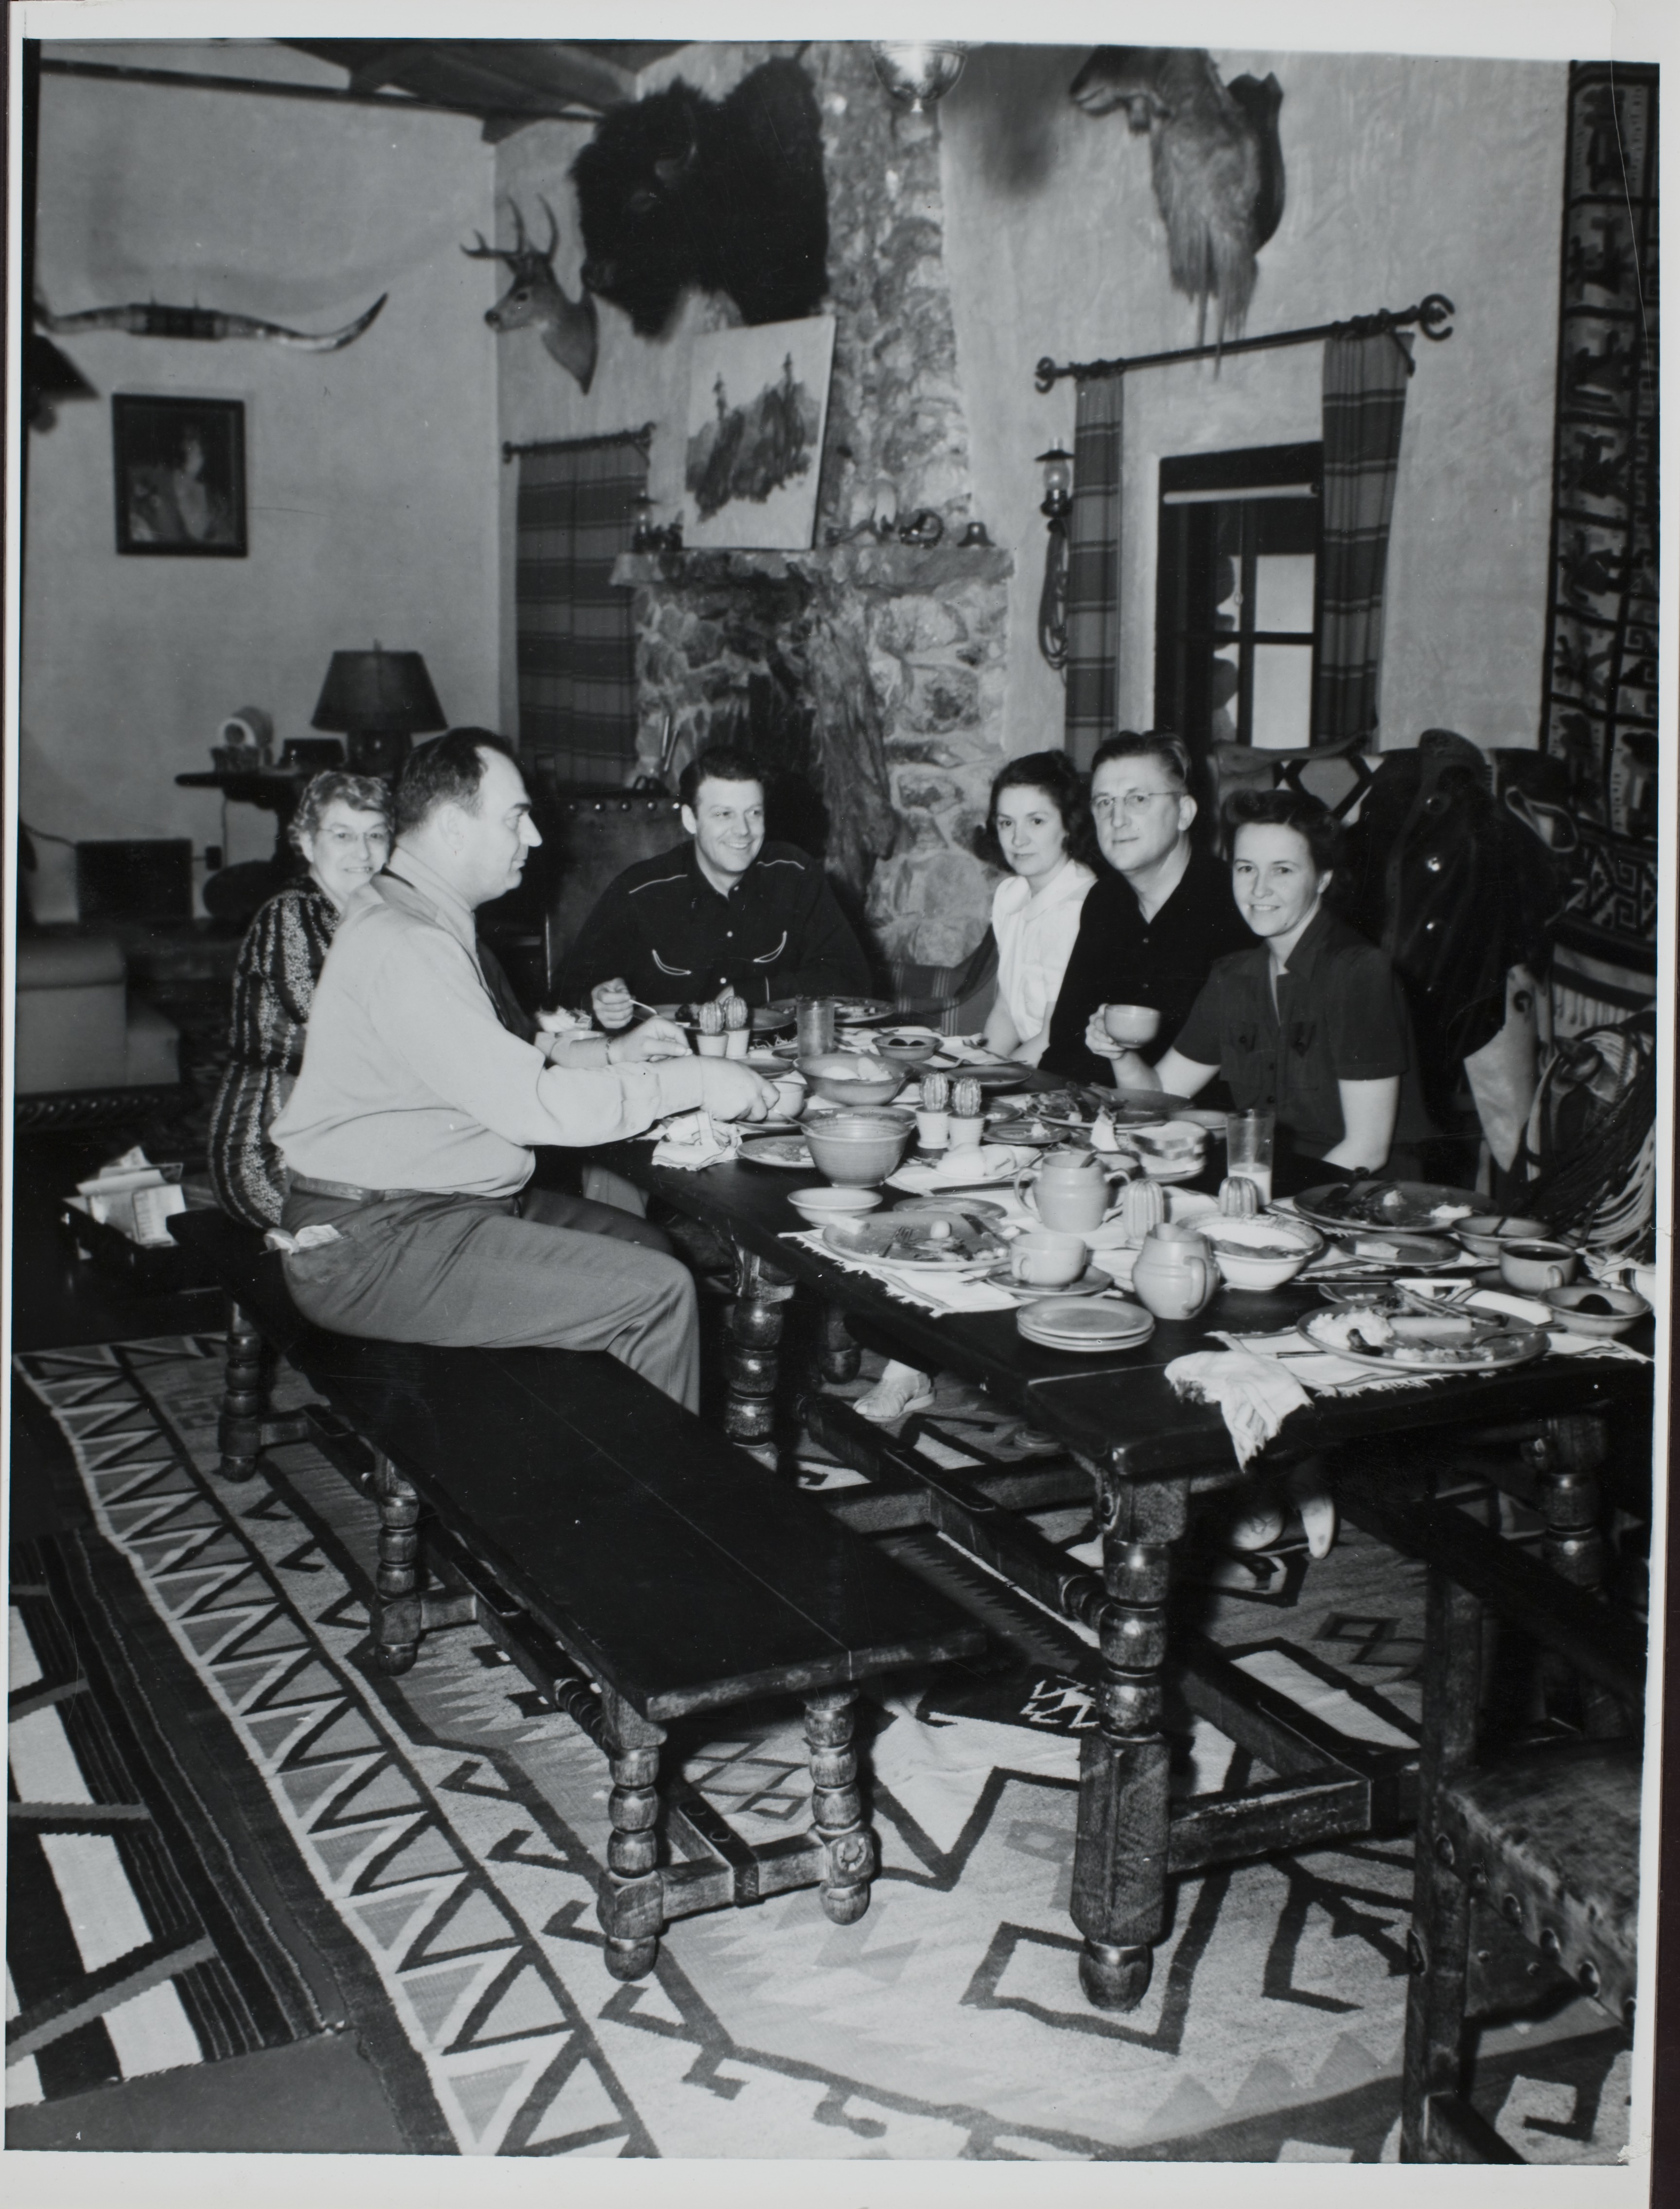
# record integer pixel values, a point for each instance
(1214, 159)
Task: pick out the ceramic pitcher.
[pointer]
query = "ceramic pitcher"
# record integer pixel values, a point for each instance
(1175, 1275)
(1069, 1188)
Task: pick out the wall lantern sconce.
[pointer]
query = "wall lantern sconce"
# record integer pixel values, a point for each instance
(1055, 506)
(918, 73)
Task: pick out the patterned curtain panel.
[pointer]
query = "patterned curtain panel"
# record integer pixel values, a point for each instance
(576, 652)
(1599, 698)
(1093, 566)
(1365, 405)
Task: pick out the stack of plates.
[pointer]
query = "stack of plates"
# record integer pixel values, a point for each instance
(1071, 1323)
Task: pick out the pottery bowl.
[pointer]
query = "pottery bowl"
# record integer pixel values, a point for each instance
(857, 1149)
(1260, 1254)
(833, 1074)
(1626, 1308)
(820, 1205)
(1486, 1234)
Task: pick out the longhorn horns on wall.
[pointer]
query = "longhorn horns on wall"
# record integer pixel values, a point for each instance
(150, 320)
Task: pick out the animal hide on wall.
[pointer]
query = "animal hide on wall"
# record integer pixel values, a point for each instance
(722, 195)
(1214, 158)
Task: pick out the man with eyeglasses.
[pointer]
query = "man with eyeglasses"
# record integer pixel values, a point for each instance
(1151, 929)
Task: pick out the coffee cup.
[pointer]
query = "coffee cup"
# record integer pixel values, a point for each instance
(1536, 1265)
(790, 1095)
(1044, 1258)
(933, 1129)
(1132, 1025)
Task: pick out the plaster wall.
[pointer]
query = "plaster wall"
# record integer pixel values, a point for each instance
(1405, 176)
(371, 472)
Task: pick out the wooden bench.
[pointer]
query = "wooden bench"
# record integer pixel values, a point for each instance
(635, 1564)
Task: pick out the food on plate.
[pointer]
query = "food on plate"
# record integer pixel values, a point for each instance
(1174, 1143)
(1359, 1326)
(1386, 1204)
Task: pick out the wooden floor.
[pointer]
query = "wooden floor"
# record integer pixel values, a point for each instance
(319, 2095)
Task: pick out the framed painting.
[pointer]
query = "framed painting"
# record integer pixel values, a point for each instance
(753, 439)
(180, 477)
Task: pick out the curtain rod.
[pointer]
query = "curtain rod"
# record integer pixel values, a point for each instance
(1430, 316)
(581, 444)
(333, 95)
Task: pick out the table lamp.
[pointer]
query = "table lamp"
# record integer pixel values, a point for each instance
(380, 700)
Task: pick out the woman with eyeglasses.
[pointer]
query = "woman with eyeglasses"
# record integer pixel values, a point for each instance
(1038, 824)
(342, 833)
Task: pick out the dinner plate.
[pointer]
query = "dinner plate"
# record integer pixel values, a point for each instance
(1498, 1345)
(1067, 1323)
(991, 1074)
(970, 1207)
(1415, 1204)
(928, 1180)
(791, 1151)
(1345, 1261)
(915, 1244)
(1094, 1282)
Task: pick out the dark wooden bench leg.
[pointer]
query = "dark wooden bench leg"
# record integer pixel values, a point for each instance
(751, 1356)
(1439, 1944)
(836, 1812)
(246, 1427)
(631, 1894)
(1120, 1851)
(396, 1625)
(1565, 1457)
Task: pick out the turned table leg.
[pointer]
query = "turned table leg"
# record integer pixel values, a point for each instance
(751, 1361)
(631, 1895)
(838, 1357)
(239, 1429)
(1565, 1457)
(1120, 1853)
(836, 1813)
(396, 1625)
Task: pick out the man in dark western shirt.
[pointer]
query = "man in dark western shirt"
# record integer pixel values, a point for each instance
(1151, 929)
(724, 914)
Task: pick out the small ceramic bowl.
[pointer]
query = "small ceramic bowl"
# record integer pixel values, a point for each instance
(820, 1205)
(1625, 1307)
(1247, 1251)
(1486, 1234)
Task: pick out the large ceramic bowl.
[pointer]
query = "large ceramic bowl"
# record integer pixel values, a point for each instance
(857, 1150)
(832, 1073)
(1260, 1254)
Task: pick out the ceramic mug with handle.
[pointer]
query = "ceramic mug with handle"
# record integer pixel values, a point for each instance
(1043, 1258)
(1176, 1274)
(1535, 1266)
(1069, 1189)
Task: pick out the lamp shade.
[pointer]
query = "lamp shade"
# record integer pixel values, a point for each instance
(380, 693)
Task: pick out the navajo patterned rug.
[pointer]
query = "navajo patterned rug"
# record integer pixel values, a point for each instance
(453, 1824)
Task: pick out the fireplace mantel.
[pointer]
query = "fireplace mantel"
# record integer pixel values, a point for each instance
(894, 568)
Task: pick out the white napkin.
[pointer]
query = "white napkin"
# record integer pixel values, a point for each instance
(1254, 1394)
(934, 1292)
(693, 1140)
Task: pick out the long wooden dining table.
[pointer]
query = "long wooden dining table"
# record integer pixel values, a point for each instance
(1142, 1456)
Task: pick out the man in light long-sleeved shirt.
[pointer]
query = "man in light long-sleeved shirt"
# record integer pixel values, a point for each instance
(410, 1132)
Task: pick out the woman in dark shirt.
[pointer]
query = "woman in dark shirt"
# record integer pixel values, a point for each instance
(1310, 1023)
(342, 832)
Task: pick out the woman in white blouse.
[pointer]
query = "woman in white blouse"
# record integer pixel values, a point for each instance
(1040, 825)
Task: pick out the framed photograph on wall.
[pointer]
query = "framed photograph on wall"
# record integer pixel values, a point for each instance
(757, 400)
(180, 476)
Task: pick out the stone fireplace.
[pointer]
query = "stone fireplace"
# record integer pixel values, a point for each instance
(893, 655)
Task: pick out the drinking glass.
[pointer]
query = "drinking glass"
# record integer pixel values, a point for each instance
(1248, 1137)
(816, 1026)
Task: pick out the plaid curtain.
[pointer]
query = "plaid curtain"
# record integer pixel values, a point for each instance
(576, 649)
(1093, 566)
(1364, 404)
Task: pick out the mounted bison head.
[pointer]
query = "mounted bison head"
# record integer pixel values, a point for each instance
(729, 196)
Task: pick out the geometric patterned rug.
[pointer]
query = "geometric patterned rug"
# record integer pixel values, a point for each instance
(452, 1825)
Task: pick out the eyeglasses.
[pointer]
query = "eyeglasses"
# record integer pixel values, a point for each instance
(1131, 803)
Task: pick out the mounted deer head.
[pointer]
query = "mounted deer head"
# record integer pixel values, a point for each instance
(535, 299)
